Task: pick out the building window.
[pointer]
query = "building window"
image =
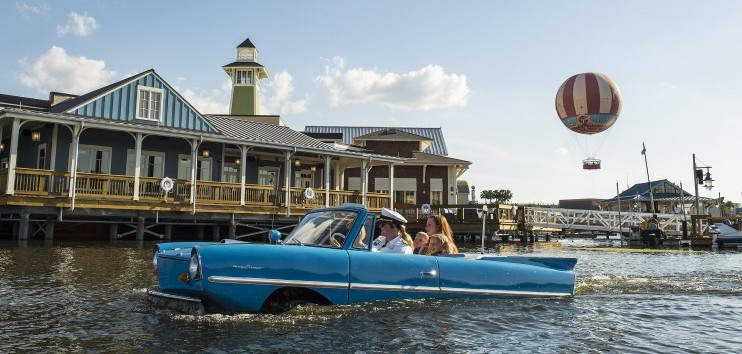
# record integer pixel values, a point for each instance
(149, 103)
(243, 77)
(436, 191)
(41, 157)
(268, 176)
(152, 163)
(405, 197)
(203, 168)
(303, 179)
(93, 159)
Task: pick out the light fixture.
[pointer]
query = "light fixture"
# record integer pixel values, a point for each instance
(297, 162)
(451, 190)
(35, 136)
(2, 146)
(313, 168)
(205, 153)
(708, 182)
(237, 161)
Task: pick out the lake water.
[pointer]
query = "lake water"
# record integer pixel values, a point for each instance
(90, 297)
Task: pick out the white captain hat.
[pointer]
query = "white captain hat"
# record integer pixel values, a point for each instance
(393, 216)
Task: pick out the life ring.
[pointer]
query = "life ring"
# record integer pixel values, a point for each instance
(425, 209)
(309, 193)
(166, 184)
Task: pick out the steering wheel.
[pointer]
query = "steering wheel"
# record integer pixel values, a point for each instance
(337, 239)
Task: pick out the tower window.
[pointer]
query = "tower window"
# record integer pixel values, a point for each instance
(243, 77)
(149, 103)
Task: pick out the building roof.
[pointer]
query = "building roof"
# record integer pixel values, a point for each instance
(23, 102)
(392, 134)
(640, 192)
(263, 132)
(421, 157)
(79, 100)
(246, 44)
(243, 64)
(438, 146)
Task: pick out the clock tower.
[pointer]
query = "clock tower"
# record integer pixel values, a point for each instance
(245, 75)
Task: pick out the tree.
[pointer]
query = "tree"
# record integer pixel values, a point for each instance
(499, 195)
(488, 195)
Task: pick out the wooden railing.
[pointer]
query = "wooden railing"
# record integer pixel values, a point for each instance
(33, 182)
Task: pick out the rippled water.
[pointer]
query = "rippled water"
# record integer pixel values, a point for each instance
(84, 297)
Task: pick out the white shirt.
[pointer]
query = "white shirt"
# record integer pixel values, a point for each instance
(396, 246)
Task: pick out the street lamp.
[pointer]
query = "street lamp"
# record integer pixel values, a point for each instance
(707, 182)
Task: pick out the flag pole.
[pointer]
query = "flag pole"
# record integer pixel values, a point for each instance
(649, 183)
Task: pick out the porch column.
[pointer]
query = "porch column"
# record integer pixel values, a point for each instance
(391, 186)
(287, 182)
(364, 183)
(452, 187)
(76, 131)
(53, 158)
(194, 164)
(327, 181)
(13, 156)
(243, 170)
(137, 164)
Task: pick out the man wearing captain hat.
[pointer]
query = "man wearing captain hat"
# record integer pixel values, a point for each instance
(391, 224)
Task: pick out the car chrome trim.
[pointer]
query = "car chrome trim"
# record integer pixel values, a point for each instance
(172, 296)
(382, 287)
(502, 292)
(387, 287)
(280, 282)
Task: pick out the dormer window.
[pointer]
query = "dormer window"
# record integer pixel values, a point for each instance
(243, 77)
(149, 103)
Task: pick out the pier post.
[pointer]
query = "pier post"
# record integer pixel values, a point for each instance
(200, 232)
(113, 231)
(23, 225)
(49, 230)
(232, 229)
(215, 233)
(140, 228)
(168, 232)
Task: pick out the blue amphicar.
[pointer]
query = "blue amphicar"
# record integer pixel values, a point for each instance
(328, 259)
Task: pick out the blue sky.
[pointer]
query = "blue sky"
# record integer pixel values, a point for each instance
(487, 72)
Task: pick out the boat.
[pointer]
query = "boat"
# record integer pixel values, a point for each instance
(328, 260)
(725, 236)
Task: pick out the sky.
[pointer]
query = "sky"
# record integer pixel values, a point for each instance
(486, 72)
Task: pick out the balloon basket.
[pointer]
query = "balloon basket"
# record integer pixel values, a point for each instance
(591, 164)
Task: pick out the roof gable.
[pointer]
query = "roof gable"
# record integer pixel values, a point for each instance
(438, 146)
(118, 102)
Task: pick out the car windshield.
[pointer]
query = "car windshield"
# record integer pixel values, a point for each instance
(328, 228)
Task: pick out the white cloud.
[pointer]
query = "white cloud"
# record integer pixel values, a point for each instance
(276, 99)
(79, 25)
(27, 10)
(209, 101)
(428, 88)
(55, 70)
(562, 151)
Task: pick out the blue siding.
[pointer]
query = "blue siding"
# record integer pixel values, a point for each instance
(121, 104)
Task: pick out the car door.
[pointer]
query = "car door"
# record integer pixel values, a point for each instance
(379, 276)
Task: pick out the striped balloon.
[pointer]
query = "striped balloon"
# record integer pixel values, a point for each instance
(588, 103)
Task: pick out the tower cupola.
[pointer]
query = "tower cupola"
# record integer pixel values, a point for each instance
(245, 75)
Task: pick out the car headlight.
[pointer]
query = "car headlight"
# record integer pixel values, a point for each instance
(194, 267)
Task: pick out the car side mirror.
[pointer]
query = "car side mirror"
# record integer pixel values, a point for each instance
(274, 237)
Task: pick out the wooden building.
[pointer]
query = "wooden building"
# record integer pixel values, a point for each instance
(667, 197)
(135, 158)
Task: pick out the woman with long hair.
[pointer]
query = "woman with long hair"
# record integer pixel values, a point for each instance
(439, 225)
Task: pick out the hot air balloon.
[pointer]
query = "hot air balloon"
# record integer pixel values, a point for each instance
(588, 104)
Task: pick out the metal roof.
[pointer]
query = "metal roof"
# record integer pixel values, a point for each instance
(438, 147)
(262, 132)
(437, 159)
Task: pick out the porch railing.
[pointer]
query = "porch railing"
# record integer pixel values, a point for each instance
(34, 182)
